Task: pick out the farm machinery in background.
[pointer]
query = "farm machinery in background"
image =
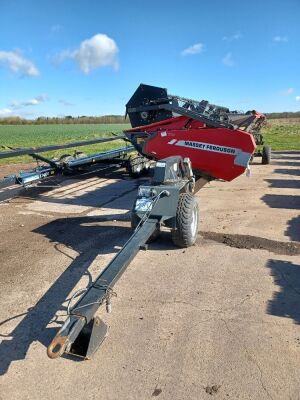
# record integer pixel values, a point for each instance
(192, 143)
(263, 151)
(67, 164)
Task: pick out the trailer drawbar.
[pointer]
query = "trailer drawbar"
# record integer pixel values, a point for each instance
(168, 200)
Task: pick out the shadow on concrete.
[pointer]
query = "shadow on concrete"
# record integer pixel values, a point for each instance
(90, 238)
(110, 195)
(94, 189)
(286, 301)
(286, 171)
(282, 201)
(290, 163)
(293, 229)
(284, 183)
(284, 157)
(292, 152)
(84, 188)
(112, 191)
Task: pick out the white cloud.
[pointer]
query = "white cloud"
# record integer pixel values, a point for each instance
(297, 98)
(31, 102)
(5, 112)
(236, 36)
(98, 51)
(227, 60)
(194, 49)
(17, 63)
(279, 39)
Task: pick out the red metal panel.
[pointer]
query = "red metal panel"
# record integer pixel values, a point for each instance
(215, 151)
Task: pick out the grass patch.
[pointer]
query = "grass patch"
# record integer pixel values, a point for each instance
(282, 134)
(42, 135)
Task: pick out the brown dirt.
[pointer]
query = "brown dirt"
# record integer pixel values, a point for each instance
(9, 169)
(254, 242)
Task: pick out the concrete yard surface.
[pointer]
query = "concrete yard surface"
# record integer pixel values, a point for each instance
(218, 320)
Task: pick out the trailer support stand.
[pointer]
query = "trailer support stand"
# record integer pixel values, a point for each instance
(89, 339)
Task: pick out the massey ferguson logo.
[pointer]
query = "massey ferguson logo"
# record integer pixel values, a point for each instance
(205, 146)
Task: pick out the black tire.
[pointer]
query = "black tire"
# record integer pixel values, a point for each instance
(266, 155)
(187, 221)
(137, 166)
(135, 219)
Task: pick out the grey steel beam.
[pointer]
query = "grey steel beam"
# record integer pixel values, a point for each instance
(32, 150)
(106, 155)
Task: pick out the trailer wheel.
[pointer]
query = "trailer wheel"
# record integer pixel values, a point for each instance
(65, 158)
(137, 166)
(80, 154)
(135, 219)
(187, 221)
(266, 155)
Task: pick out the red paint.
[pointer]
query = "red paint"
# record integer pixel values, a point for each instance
(216, 164)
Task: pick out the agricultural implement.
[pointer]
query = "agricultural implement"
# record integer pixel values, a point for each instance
(192, 143)
(72, 164)
(263, 150)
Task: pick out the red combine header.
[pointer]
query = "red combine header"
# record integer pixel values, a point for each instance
(218, 142)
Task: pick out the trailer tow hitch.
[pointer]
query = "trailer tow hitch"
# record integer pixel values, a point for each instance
(155, 204)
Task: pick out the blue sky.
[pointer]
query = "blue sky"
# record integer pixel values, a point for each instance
(87, 57)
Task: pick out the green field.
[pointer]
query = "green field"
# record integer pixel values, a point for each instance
(280, 134)
(41, 135)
